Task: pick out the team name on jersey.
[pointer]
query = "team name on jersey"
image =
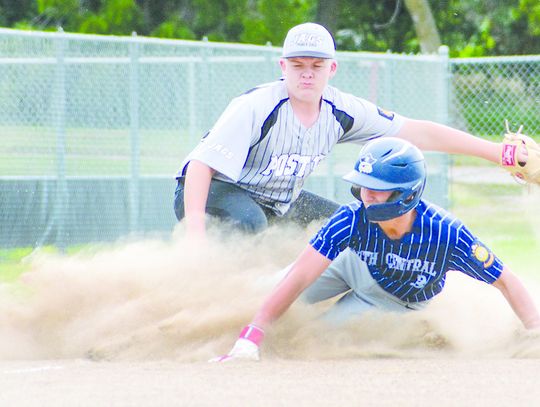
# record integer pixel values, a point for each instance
(393, 261)
(370, 258)
(291, 164)
(396, 262)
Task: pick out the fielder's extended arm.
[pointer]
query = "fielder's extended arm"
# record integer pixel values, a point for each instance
(517, 153)
(431, 136)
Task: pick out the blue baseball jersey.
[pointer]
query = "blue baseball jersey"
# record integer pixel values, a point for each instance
(414, 267)
(259, 144)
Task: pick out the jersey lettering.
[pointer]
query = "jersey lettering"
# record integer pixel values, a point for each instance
(369, 258)
(421, 281)
(399, 263)
(291, 164)
(221, 149)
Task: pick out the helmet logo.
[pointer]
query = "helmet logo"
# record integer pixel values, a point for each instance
(366, 164)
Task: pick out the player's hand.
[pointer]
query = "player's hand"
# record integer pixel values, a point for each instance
(242, 349)
(246, 346)
(521, 156)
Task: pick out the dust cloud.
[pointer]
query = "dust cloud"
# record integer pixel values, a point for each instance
(187, 300)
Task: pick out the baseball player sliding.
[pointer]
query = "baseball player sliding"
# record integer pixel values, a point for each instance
(390, 250)
(250, 167)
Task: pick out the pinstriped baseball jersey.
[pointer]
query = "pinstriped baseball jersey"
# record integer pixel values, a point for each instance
(260, 145)
(414, 267)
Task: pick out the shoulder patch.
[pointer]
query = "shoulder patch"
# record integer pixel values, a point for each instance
(385, 113)
(482, 254)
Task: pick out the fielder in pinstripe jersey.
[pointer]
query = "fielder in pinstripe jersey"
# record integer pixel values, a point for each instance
(251, 166)
(390, 250)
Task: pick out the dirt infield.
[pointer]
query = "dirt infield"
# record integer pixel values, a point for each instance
(134, 324)
(360, 382)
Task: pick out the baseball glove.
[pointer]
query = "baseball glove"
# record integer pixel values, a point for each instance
(521, 156)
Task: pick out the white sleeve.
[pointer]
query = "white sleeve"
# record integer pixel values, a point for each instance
(370, 121)
(226, 146)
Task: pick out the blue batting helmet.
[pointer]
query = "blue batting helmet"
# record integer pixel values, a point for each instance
(389, 164)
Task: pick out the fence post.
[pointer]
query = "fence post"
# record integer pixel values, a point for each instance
(444, 117)
(59, 211)
(444, 84)
(270, 63)
(204, 87)
(134, 187)
(193, 135)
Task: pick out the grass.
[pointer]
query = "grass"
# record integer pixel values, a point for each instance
(499, 215)
(14, 262)
(11, 265)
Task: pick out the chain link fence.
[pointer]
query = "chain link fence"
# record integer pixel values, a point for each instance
(488, 91)
(93, 128)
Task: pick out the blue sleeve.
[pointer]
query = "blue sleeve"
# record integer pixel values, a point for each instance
(335, 235)
(472, 257)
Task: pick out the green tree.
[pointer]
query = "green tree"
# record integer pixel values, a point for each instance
(270, 20)
(174, 27)
(326, 14)
(62, 13)
(469, 28)
(487, 27)
(375, 26)
(14, 11)
(424, 24)
(219, 21)
(526, 26)
(94, 24)
(167, 17)
(122, 16)
(531, 9)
